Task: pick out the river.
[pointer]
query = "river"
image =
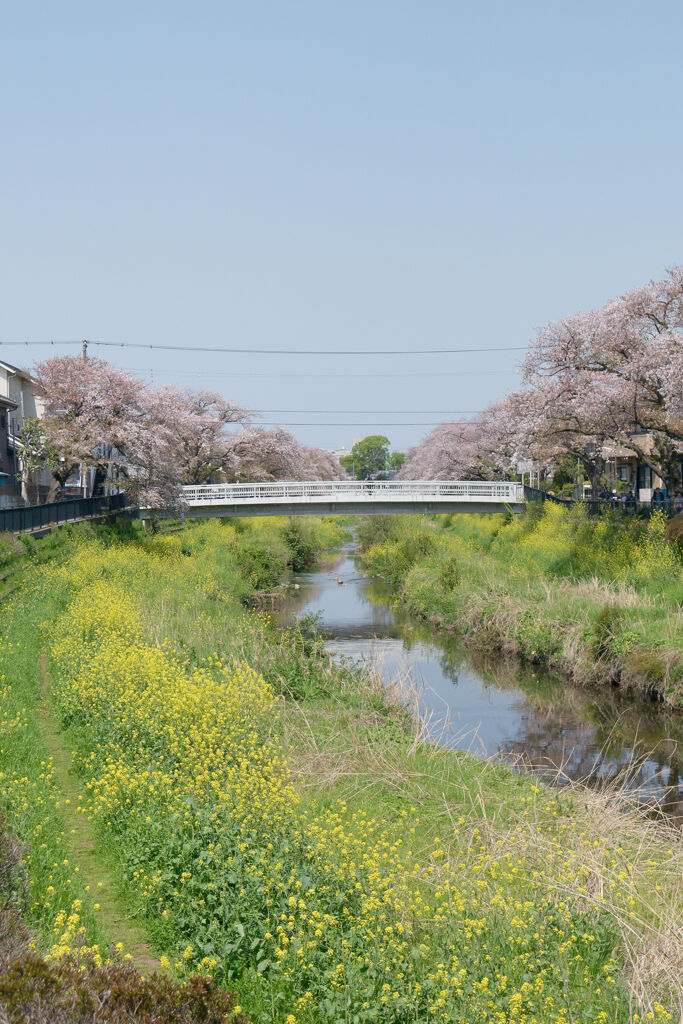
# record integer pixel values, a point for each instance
(494, 707)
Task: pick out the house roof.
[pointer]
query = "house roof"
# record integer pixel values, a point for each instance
(7, 403)
(14, 369)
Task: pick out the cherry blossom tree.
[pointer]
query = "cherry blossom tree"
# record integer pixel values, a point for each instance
(94, 414)
(259, 454)
(525, 425)
(196, 424)
(554, 421)
(643, 352)
(99, 416)
(618, 372)
(325, 465)
(152, 477)
(462, 450)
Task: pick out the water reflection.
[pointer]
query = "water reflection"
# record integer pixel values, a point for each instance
(494, 706)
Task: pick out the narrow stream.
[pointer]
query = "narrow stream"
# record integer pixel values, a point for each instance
(494, 706)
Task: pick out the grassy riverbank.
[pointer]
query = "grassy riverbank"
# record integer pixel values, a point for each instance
(271, 819)
(597, 599)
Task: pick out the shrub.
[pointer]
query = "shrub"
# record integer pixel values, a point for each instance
(537, 639)
(376, 530)
(262, 562)
(395, 557)
(606, 628)
(449, 573)
(409, 550)
(76, 991)
(302, 543)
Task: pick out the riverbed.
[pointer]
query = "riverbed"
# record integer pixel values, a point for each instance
(492, 707)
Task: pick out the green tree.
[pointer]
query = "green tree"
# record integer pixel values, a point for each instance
(35, 452)
(396, 460)
(565, 472)
(367, 456)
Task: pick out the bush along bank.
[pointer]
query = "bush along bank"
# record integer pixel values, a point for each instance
(597, 599)
(274, 823)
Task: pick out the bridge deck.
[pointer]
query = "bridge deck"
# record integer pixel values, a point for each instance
(348, 497)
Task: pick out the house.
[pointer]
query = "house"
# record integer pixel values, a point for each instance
(624, 467)
(18, 402)
(17, 385)
(9, 489)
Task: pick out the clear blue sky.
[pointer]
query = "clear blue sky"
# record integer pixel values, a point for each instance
(333, 175)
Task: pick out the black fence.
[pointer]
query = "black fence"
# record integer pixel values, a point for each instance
(33, 517)
(536, 494)
(603, 506)
(630, 507)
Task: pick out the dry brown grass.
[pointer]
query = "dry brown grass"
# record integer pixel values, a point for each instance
(622, 595)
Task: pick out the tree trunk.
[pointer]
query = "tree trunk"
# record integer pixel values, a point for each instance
(671, 481)
(670, 471)
(55, 483)
(595, 481)
(594, 468)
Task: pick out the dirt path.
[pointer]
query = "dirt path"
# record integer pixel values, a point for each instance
(115, 917)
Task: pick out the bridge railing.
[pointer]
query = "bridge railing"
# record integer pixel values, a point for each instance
(354, 490)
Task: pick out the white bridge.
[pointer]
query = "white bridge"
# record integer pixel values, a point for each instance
(351, 497)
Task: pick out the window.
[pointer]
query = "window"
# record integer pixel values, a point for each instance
(644, 476)
(622, 473)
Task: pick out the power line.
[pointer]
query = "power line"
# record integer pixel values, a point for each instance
(27, 344)
(371, 412)
(308, 351)
(349, 423)
(326, 376)
(276, 351)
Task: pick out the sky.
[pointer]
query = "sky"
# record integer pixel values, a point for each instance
(327, 176)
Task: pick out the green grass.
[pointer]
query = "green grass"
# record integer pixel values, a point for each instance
(38, 786)
(29, 787)
(505, 871)
(599, 600)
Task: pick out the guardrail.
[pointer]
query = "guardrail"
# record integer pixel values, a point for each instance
(304, 492)
(33, 517)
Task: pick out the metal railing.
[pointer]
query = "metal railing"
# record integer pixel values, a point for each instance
(537, 494)
(617, 504)
(34, 517)
(641, 509)
(310, 492)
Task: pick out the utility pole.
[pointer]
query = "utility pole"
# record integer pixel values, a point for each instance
(83, 471)
(13, 432)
